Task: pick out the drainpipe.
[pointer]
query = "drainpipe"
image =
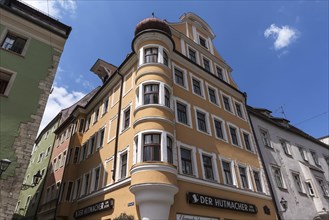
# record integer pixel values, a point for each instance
(117, 131)
(265, 169)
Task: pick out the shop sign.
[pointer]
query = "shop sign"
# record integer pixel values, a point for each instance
(94, 208)
(204, 200)
(192, 217)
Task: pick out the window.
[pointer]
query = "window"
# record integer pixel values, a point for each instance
(64, 159)
(59, 161)
(126, 118)
(48, 151)
(202, 121)
(41, 155)
(69, 191)
(123, 173)
(208, 169)
(323, 187)
(76, 188)
(83, 152)
(169, 150)
(227, 103)
(196, 87)
(244, 177)
(151, 149)
(54, 164)
(247, 141)
(228, 177)
(182, 113)
(13, 43)
(96, 115)
(315, 158)
(87, 124)
(85, 184)
(239, 110)
(100, 138)
(91, 145)
(151, 94)
(203, 42)
(192, 55)
(278, 177)
(303, 153)
(285, 147)
(234, 135)
(258, 182)
(28, 199)
(179, 77)
(167, 97)
(105, 106)
(326, 158)
(165, 58)
(310, 188)
(81, 125)
(206, 64)
(151, 55)
(220, 73)
(76, 155)
(219, 128)
(265, 138)
(96, 179)
(186, 159)
(212, 95)
(17, 206)
(297, 182)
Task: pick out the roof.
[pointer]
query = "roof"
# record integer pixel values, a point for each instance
(33, 15)
(283, 124)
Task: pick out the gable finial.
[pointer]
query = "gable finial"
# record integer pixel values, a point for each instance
(153, 14)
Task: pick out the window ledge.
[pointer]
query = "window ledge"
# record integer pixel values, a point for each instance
(12, 52)
(153, 105)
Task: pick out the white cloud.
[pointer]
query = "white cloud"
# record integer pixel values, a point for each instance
(54, 8)
(59, 99)
(283, 36)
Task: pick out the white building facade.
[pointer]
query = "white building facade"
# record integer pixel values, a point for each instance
(297, 166)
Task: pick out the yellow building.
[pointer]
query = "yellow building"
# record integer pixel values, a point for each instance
(166, 137)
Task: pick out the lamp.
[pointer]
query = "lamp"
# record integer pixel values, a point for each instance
(284, 204)
(36, 179)
(4, 164)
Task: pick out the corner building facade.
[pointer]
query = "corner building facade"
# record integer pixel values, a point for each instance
(167, 136)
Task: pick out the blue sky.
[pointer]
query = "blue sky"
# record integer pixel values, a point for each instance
(283, 68)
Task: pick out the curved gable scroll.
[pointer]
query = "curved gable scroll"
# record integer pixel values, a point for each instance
(195, 18)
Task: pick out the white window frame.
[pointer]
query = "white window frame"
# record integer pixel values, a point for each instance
(119, 164)
(198, 109)
(284, 186)
(316, 162)
(193, 156)
(63, 158)
(213, 164)
(96, 119)
(230, 102)
(186, 87)
(106, 164)
(98, 139)
(225, 77)
(210, 63)
(163, 145)
(192, 76)
(206, 41)
(324, 187)
(237, 133)
(309, 181)
(248, 169)
(17, 33)
(232, 167)
(261, 178)
(300, 181)
(113, 103)
(93, 178)
(251, 140)
(217, 104)
(304, 156)
(244, 115)
(83, 186)
(123, 113)
(188, 112)
(197, 57)
(76, 193)
(160, 48)
(214, 117)
(104, 110)
(288, 145)
(267, 136)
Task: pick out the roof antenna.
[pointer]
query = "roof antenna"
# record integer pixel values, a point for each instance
(280, 110)
(153, 14)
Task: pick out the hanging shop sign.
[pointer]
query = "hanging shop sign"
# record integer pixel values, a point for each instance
(94, 208)
(204, 200)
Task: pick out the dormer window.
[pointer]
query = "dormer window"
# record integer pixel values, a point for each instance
(151, 55)
(203, 42)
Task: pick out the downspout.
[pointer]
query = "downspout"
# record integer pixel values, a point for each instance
(117, 131)
(263, 163)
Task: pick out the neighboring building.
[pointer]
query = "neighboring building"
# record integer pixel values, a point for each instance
(325, 139)
(297, 165)
(30, 194)
(167, 136)
(31, 44)
(52, 181)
